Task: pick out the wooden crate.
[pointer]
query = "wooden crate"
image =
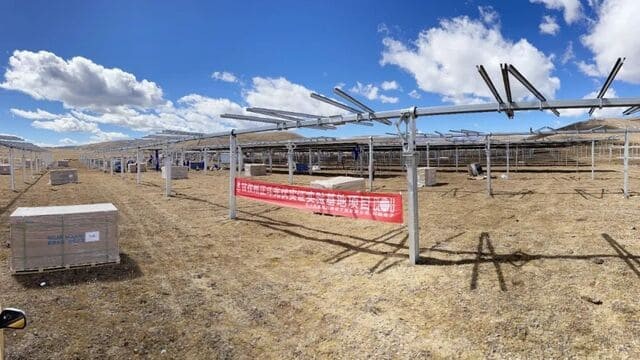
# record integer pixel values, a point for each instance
(177, 172)
(62, 163)
(63, 237)
(134, 169)
(426, 176)
(5, 169)
(340, 183)
(63, 176)
(255, 169)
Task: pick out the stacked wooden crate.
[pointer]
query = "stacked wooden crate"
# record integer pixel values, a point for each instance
(134, 167)
(255, 169)
(63, 176)
(59, 237)
(426, 176)
(177, 172)
(340, 183)
(62, 163)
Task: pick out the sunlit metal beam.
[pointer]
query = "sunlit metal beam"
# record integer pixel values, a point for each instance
(612, 75)
(255, 118)
(337, 104)
(512, 69)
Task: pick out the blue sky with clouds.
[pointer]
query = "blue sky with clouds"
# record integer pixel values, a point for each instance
(86, 71)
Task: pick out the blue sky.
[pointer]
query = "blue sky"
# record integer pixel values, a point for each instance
(86, 71)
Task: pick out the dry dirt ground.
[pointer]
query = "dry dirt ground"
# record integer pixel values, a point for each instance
(548, 267)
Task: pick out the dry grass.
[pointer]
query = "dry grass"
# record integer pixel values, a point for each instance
(511, 276)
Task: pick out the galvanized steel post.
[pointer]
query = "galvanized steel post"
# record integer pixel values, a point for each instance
(122, 167)
(412, 189)
(240, 159)
(370, 163)
(488, 153)
(456, 159)
(508, 156)
(593, 159)
(168, 164)
(138, 161)
(428, 156)
(31, 164)
(233, 148)
(12, 169)
(626, 165)
(205, 160)
(290, 147)
(24, 167)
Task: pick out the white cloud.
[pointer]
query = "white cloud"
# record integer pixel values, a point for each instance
(388, 99)
(390, 85)
(102, 136)
(549, 25)
(88, 111)
(443, 59)
(34, 115)
(78, 82)
(588, 69)
(192, 112)
(202, 113)
(369, 91)
(595, 4)
(572, 9)
(8, 134)
(66, 124)
(383, 28)
(568, 54)
(280, 93)
(613, 35)
(224, 76)
(415, 94)
(372, 92)
(598, 113)
(165, 117)
(68, 141)
(488, 15)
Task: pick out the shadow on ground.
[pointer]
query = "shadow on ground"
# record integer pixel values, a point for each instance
(127, 269)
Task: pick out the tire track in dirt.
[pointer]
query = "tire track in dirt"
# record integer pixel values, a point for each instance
(234, 301)
(170, 224)
(132, 210)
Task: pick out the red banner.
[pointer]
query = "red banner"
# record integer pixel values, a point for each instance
(359, 205)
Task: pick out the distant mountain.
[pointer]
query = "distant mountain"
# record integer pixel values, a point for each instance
(74, 152)
(613, 123)
(196, 144)
(607, 124)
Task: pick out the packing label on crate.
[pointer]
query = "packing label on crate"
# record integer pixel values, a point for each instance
(68, 238)
(92, 236)
(359, 205)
